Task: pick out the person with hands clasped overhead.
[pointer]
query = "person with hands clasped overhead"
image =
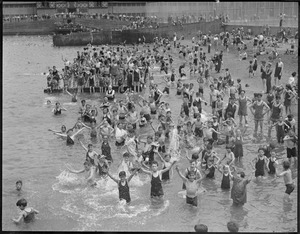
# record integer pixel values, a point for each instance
(192, 186)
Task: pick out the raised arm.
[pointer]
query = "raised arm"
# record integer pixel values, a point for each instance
(133, 173)
(78, 131)
(83, 146)
(161, 158)
(180, 174)
(69, 93)
(279, 174)
(110, 176)
(146, 171)
(53, 131)
(60, 134)
(168, 168)
(85, 125)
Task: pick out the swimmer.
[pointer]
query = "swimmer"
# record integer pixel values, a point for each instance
(49, 103)
(105, 129)
(70, 135)
(192, 185)
(260, 163)
(287, 177)
(57, 109)
(91, 155)
(93, 128)
(123, 187)
(232, 227)
(89, 169)
(19, 184)
(74, 96)
(156, 187)
(62, 131)
(27, 213)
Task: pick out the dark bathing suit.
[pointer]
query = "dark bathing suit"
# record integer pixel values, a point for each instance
(156, 187)
(124, 191)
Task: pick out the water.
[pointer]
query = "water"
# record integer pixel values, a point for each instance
(38, 157)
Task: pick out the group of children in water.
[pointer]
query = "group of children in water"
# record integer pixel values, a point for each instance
(195, 132)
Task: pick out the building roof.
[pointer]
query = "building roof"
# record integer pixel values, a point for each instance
(11, 3)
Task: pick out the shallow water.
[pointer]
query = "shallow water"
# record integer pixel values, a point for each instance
(36, 156)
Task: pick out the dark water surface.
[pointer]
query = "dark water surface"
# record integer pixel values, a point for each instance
(36, 156)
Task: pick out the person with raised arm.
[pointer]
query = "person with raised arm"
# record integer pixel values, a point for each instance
(192, 186)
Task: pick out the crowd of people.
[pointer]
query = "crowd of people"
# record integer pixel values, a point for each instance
(185, 19)
(195, 133)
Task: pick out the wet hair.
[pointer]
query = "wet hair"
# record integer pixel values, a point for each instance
(19, 182)
(126, 155)
(154, 163)
(195, 156)
(294, 74)
(242, 174)
(90, 145)
(201, 228)
(286, 165)
(232, 226)
(209, 147)
(122, 174)
(22, 202)
(87, 163)
(193, 160)
(260, 148)
(228, 147)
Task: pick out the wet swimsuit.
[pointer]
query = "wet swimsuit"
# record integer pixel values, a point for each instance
(238, 147)
(100, 168)
(89, 159)
(156, 187)
(69, 140)
(192, 200)
(124, 191)
(211, 173)
(289, 188)
(225, 182)
(57, 111)
(105, 148)
(259, 166)
(271, 167)
(29, 216)
(165, 175)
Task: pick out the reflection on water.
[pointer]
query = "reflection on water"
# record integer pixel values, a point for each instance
(37, 156)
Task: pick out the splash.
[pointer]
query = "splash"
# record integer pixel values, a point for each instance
(174, 145)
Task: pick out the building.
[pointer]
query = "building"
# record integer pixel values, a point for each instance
(239, 10)
(132, 8)
(18, 8)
